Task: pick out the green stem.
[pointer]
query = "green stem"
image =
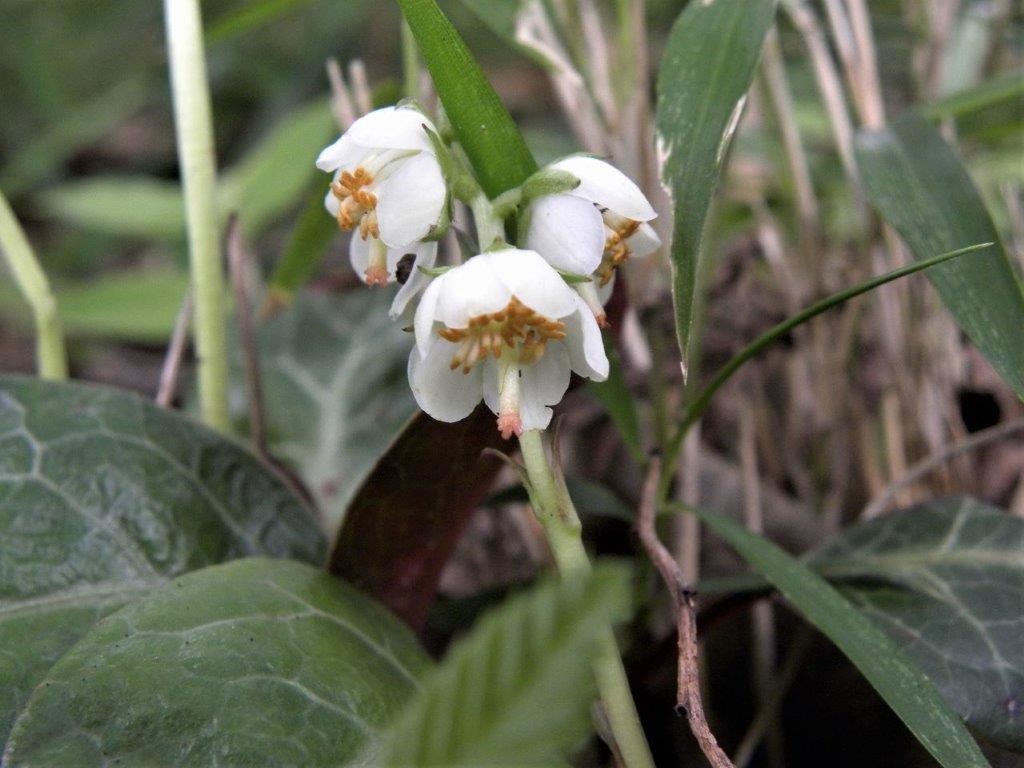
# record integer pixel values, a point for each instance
(489, 225)
(700, 403)
(555, 511)
(51, 357)
(410, 63)
(194, 127)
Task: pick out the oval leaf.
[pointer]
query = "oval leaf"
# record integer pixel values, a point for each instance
(904, 687)
(709, 61)
(952, 593)
(255, 662)
(104, 497)
(918, 184)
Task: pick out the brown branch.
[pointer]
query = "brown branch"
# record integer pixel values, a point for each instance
(238, 262)
(168, 386)
(684, 600)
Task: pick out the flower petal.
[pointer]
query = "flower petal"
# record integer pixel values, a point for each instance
(586, 347)
(607, 186)
(359, 255)
(410, 201)
(470, 290)
(491, 384)
(392, 128)
(444, 394)
(426, 314)
(343, 153)
(644, 241)
(528, 277)
(568, 232)
(332, 203)
(426, 256)
(543, 384)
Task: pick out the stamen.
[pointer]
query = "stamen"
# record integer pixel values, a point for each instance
(516, 329)
(355, 201)
(616, 249)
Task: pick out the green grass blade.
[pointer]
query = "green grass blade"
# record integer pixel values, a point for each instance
(918, 184)
(483, 126)
(709, 61)
(904, 687)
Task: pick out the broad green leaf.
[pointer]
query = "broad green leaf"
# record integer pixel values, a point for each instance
(946, 580)
(104, 497)
(276, 172)
(254, 662)
(709, 61)
(483, 126)
(126, 206)
(517, 690)
(918, 185)
(904, 687)
(1007, 89)
(335, 390)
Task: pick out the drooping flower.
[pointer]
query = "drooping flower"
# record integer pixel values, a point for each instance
(402, 265)
(594, 228)
(388, 187)
(504, 326)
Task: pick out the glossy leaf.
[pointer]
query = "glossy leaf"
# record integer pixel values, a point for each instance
(254, 662)
(709, 61)
(946, 580)
(518, 689)
(912, 696)
(495, 147)
(104, 497)
(335, 390)
(918, 184)
(406, 518)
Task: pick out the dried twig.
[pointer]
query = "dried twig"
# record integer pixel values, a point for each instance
(684, 600)
(168, 386)
(341, 99)
(238, 263)
(936, 460)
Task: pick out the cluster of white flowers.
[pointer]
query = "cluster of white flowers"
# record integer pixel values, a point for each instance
(506, 325)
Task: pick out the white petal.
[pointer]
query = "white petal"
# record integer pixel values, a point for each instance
(426, 256)
(332, 203)
(343, 153)
(392, 128)
(568, 232)
(532, 280)
(469, 290)
(604, 292)
(543, 384)
(359, 255)
(426, 314)
(644, 241)
(491, 383)
(444, 394)
(607, 186)
(410, 201)
(586, 347)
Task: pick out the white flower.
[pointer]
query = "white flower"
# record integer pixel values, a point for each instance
(594, 228)
(387, 185)
(506, 327)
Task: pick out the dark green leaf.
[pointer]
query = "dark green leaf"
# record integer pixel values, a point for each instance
(255, 662)
(517, 690)
(312, 235)
(335, 390)
(483, 126)
(918, 185)
(946, 580)
(904, 687)
(709, 61)
(103, 497)
(1008, 89)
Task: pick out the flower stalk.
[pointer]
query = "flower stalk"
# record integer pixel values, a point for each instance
(555, 511)
(194, 128)
(31, 280)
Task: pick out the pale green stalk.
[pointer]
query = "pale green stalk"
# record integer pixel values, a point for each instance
(410, 63)
(194, 127)
(555, 511)
(51, 358)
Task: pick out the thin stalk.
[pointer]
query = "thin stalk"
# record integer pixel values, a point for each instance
(51, 357)
(410, 63)
(556, 513)
(489, 226)
(194, 127)
(700, 403)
